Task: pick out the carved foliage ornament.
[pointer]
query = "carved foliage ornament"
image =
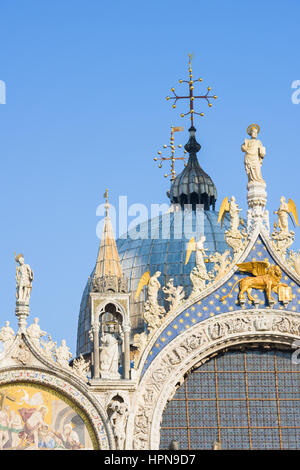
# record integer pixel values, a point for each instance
(179, 356)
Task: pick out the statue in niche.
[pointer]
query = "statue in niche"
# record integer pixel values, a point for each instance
(109, 355)
(119, 420)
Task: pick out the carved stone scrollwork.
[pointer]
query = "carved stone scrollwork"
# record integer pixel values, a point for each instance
(81, 367)
(175, 295)
(294, 261)
(153, 312)
(199, 277)
(63, 355)
(282, 241)
(237, 240)
(48, 348)
(139, 342)
(193, 347)
(108, 283)
(22, 354)
(222, 263)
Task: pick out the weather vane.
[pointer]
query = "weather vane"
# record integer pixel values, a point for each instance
(191, 96)
(172, 157)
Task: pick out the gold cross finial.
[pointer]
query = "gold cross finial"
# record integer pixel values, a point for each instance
(191, 97)
(172, 157)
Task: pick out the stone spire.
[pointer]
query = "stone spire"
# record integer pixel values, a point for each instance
(108, 274)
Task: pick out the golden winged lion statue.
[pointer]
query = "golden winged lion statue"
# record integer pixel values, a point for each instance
(264, 277)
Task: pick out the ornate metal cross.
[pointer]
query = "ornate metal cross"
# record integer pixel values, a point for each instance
(191, 96)
(172, 157)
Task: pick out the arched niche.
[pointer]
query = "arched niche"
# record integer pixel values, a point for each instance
(65, 413)
(111, 322)
(232, 329)
(244, 397)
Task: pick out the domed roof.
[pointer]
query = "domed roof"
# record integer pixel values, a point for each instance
(159, 244)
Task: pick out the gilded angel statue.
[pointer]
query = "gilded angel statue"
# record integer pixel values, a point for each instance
(233, 209)
(286, 210)
(198, 247)
(153, 287)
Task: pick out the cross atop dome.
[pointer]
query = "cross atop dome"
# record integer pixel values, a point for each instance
(192, 186)
(191, 97)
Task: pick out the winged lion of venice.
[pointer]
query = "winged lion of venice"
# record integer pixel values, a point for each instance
(265, 277)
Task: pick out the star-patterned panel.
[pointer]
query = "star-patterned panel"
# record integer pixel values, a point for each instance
(211, 305)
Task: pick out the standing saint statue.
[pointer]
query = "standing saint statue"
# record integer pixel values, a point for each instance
(24, 278)
(254, 155)
(119, 421)
(35, 333)
(109, 355)
(7, 335)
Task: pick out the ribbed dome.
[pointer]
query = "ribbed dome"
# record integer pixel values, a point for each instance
(150, 247)
(193, 185)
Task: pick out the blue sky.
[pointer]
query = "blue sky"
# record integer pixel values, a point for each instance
(85, 110)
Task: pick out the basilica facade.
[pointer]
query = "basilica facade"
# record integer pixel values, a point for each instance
(182, 343)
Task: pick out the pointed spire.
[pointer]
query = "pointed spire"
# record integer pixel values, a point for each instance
(108, 272)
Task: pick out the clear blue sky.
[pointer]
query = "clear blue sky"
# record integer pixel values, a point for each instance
(85, 110)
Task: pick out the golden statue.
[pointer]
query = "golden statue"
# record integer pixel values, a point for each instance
(266, 278)
(198, 247)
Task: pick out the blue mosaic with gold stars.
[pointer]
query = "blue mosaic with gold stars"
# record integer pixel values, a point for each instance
(212, 306)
